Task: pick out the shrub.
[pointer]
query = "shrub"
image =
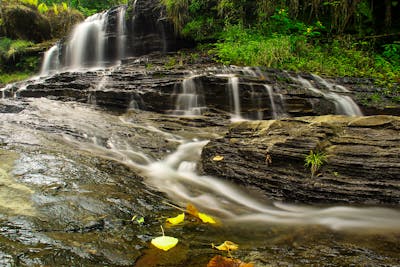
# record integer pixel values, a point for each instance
(314, 161)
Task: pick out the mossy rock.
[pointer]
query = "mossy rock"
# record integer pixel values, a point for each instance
(63, 22)
(22, 22)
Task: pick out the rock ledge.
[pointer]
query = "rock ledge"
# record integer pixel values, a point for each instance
(363, 158)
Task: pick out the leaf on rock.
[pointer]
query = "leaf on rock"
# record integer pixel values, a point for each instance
(164, 242)
(218, 158)
(206, 218)
(227, 246)
(220, 261)
(176, 220)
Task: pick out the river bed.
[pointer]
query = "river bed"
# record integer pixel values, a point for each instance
(81, 186)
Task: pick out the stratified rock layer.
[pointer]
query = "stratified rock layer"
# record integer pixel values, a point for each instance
(363, 158)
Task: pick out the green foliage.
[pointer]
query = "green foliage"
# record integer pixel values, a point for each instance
(43, 8)
(6, 78)
(314, 161)
(392, 53)
(8, 47)
(13, 58)
(64, 6)
(249, 47)
(178, 12)
(34, 3)
(55, 9)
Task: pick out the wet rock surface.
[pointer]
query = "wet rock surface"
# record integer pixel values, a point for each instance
(70, 186)
(362, 167)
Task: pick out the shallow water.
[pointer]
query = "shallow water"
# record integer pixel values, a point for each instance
(80, 174)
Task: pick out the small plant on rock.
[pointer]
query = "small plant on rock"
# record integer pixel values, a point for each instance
(314, 161)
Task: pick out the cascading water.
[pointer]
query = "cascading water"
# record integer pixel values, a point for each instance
(344, 104)
(86, 45)
(173, 176)
(190, 101)
(121, 32)
(234, 98)
(277, 109)
(50, 61)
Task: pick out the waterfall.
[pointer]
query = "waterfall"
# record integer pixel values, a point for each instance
(85, 47)
(190, 102)
(277, 110)
(121, 32)
(330, 86)
(234, 97)
(90, 45)
(50, 61)
(344, 104)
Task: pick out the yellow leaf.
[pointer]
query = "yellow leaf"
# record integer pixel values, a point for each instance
(227, 246)
(206, 218)
(218, 158)
(176, 220)
(164, 242)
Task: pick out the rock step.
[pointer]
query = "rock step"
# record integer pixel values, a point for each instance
(363, 158)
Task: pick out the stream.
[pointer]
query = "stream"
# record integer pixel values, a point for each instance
(82, 186)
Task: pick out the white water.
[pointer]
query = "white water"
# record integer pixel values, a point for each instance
(277, 111)
(344, 104)
(234, 97)
(87, 37)
(176, 177)
(50, 61)
(121, 32)
(190, 102)
(330, 86)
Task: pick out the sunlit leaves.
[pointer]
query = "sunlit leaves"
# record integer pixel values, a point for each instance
(164, 242)
(176, 220)
(206, 218)
(227, 246)
(218, 158)
(192, 210)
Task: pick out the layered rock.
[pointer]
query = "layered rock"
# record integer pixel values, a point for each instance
(149, 83)
(363, 162)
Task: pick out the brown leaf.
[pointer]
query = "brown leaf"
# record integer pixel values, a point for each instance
(220, 261)
(192, 210)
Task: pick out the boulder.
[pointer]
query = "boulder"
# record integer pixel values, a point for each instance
(362, 158)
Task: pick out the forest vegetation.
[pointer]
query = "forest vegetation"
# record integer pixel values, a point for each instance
(358, 38)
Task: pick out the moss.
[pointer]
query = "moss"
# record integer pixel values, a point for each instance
(23, 22)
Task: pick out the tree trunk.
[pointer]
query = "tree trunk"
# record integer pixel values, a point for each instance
(388, 14)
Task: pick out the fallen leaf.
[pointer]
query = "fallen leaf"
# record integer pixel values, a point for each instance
(218, 158)
(176, 220)
(192, 210)
(227, 246)
(220, 261)
(164, 242)
(206, 218)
